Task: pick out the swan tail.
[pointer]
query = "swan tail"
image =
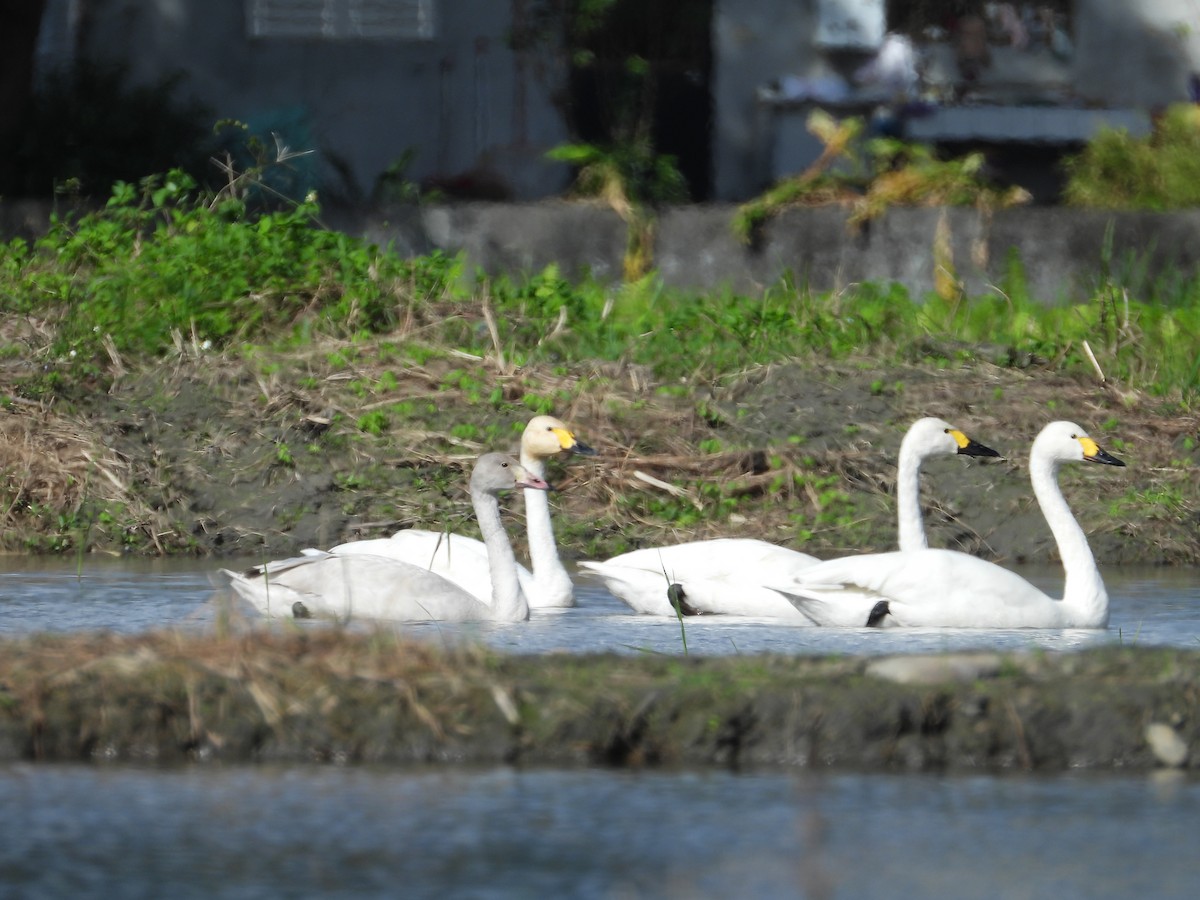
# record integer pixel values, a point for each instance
(839, 605)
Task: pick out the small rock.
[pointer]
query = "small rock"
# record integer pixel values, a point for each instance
(936, 669)
(1166, 744)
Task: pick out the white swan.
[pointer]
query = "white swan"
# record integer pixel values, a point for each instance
(329, 583)
(464, 560)
(730, 576)
(953, 589)
(543, 438)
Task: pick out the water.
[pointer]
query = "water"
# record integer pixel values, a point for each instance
(310, 831)
(306, 831)
(1150, 607)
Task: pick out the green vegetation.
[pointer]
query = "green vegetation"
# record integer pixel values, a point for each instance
(871, 176)
(163, 264)
(1158, 172)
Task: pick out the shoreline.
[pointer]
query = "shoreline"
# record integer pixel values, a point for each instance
(339, 697)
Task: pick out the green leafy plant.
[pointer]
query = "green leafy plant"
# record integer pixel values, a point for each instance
(1160, 171)
(164, 259)
(871, 176)
(374, 423)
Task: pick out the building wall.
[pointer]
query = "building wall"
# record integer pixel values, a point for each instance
(462, 101)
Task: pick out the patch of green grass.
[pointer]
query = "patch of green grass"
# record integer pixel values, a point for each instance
(1160, 171)
(1165, 502)
(374, 423)
(163, 260)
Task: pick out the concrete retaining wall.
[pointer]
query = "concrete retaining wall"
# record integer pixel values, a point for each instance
(1063, 252)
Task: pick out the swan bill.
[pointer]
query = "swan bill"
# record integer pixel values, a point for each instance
(1093, 453)
(970, 447)
(579, 448)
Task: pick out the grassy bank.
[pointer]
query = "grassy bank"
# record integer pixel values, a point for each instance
(340, 697)
(186, 374)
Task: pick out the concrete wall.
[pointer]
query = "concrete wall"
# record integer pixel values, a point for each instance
(463, 100)
(1063, 252)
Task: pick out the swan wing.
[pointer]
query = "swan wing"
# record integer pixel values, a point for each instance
(922, 588)
(455, 557)
(356, 585)
(646, 592)
(726, 559)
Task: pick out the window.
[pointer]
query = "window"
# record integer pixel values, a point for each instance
(341, 19)
(850, 24)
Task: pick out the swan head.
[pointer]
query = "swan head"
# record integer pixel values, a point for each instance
(496, 472)
(1067, 442)
(933, 437)
(546, 436)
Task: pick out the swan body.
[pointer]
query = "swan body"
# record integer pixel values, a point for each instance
(731, 575)
(947, 588)
(464, 560)
(719, 576)
(342, 585)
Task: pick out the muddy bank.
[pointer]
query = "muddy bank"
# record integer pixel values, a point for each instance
(341, 697)
(222, 455)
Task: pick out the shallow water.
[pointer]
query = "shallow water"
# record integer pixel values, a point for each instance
(1150, 607)
(305, 831)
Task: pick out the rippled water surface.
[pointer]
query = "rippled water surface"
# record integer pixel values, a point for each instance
(266, 832)
(1149, 607)
(306, 831)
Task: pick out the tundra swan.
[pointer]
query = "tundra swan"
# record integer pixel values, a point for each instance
(464, 560)
(730, 575)
(953, 589)
(331, 583)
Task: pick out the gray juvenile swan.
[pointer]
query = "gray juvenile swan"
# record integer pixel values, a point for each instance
(344, 585)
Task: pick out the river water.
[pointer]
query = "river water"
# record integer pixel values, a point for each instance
(322, 831)
(1152, 606)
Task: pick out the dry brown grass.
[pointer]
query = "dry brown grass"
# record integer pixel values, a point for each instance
(54, 462)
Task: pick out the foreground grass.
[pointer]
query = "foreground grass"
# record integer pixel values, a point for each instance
(329, 695)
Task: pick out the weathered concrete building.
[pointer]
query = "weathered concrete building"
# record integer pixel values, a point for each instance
(366, 83)
(371, 82)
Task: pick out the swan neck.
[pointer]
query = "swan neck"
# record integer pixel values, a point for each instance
(910, 523)
(1085, 599)
(508, 603)
(549, 574)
